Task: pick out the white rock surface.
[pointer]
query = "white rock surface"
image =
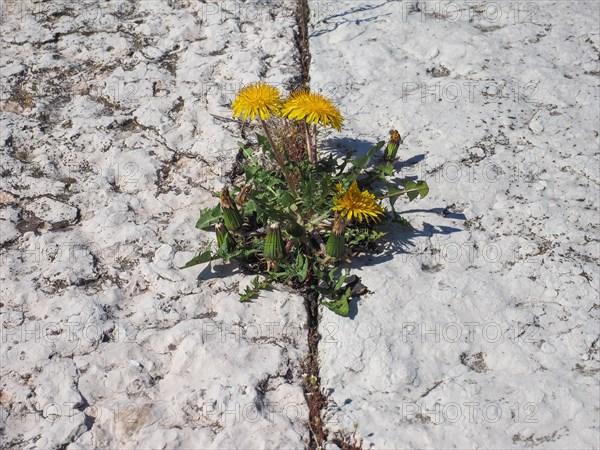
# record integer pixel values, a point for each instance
(109, 150)
(52, 211)
(481, 330)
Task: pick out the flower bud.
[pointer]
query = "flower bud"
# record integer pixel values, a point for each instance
(274, 245)
(392, 147)
(231, 216)
(224, 237)
(336, 244)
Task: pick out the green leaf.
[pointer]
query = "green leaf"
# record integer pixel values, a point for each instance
(413, 189)
(394, 192)
(299, 269)
(362, 162)
(341, 281)
(340, 306)
(266, 145)
(397, 218)
(254, 289)
(267, 209)
(204, 257)
(263, 142)
(410, 188)
(241, 253)
(423, 188)
(209, 217)
(286, 199)
(248, 153)
(251, 172)
(303, 268)
(365, 236)
(387, 170)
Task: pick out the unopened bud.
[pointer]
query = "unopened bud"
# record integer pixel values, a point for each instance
(274, 245)
(392, 147)
(231, 216)
(224, 238)
(336, 244)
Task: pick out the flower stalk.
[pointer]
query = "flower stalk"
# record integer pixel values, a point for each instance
(312, 108)
(279, 159)
(310, 148)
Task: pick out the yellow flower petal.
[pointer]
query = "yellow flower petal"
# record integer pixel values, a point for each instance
(312, 108)
(354, 203)
(257, 99)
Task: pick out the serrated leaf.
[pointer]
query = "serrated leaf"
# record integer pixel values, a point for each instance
(341, 281)
(413, 189)
(387, 169)
(248, 153)
(303, 272)
(242, 253)
(340, 306)
(362, 162)
(204, 257)
(254, 289)
(265, 145)
(251, 172)
(424, 188)
(393, 192)
(410, 187)
(209, 217)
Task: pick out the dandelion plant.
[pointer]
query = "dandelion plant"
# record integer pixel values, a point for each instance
(297, 215)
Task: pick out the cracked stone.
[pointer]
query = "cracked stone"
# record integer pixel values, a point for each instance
(52, 211)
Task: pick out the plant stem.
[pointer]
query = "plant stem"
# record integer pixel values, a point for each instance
(405, 191)
(279, 159)
(312, 154)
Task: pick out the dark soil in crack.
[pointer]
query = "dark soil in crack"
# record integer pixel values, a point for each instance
(301, 35)
(315, 399)
(313, 393)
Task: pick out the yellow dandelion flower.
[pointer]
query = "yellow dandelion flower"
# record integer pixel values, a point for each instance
(313, 108)
(354, 203)
(257, 99)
